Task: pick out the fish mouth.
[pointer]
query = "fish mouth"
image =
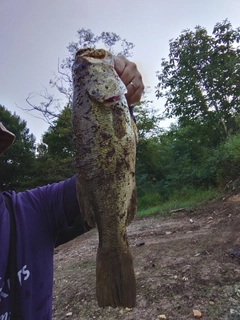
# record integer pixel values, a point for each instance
(113, 99)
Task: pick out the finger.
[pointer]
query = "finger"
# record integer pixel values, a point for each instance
(119, 64)
(130, 76)
(135, 96)
(129, 73)
(135, 89)
(133, 86)
(125, 69)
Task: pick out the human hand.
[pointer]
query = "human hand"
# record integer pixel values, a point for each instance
(131, 77)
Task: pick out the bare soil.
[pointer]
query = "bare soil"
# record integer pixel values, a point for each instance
(184, 263)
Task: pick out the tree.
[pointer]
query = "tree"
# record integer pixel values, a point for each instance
(17, 162)
(51, 108)
(201, 78)
(148, 119)
(55, 154)
(58, 138)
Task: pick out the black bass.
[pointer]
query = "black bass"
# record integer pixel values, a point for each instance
(105, 145)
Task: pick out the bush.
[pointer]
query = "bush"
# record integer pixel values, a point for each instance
(228, 154)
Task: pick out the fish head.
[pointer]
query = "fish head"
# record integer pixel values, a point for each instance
(100, 79)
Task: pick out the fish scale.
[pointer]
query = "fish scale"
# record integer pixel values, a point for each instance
(104, 138)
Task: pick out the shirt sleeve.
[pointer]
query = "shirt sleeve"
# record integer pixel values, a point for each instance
(63, 208)
(75, 223)
(53, 207)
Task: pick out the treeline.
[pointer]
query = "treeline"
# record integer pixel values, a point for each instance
(168, 163)
(200, 82)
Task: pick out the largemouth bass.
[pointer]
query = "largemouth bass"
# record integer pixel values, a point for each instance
(105, 145)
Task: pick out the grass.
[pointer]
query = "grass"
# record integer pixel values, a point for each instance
(183, 199)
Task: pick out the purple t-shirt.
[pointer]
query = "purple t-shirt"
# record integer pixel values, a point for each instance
(40, 214)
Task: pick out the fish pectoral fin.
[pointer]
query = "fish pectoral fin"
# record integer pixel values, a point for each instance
(88, 213)
(135, 130)
(85, 205)
(132, 208)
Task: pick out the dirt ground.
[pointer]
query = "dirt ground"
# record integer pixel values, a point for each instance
(188, 261)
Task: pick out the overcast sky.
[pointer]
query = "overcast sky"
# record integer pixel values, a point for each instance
(35, 34)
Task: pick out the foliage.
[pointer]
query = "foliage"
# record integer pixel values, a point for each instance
(147, 119)
(55, 154)
(227, 161)
(58, 138)
(188, 149)
(17, 162)
(50, 170)
(201, 78)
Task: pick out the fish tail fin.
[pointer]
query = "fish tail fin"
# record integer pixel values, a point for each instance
(116, 285)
